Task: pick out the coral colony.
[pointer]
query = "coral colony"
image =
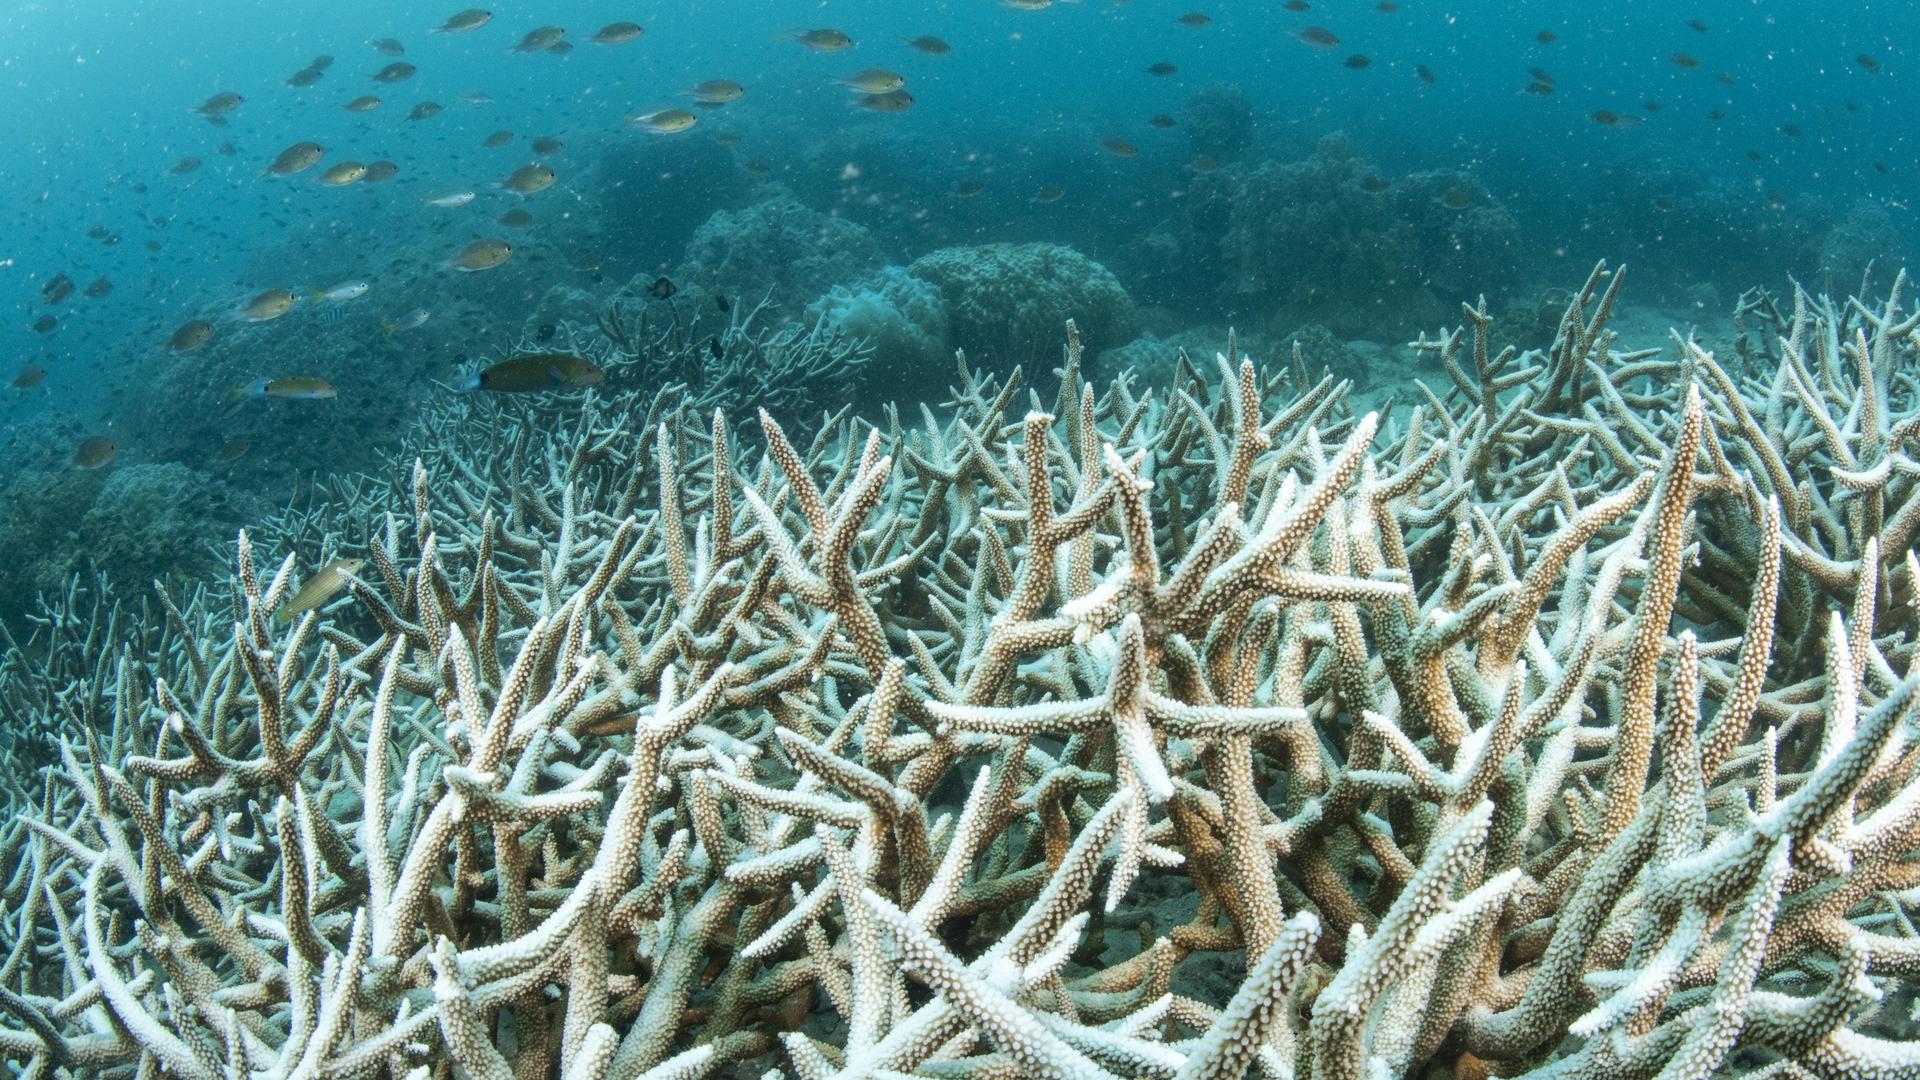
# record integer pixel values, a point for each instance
(1557, 721)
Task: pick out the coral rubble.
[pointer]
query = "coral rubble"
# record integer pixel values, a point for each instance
(1562, 725)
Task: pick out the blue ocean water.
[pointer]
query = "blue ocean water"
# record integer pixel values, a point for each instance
(1715, 146)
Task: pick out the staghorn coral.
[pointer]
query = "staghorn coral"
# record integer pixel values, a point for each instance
(638, 751)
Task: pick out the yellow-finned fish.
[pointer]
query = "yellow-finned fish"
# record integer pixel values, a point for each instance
(530, 179)
(617, 33)
(873, 81)
(539, 38)
(320, 588)
(342, 173)
(95, 453)
(827, 41)
(665, 121)
(267, 306)
(294, 388)
(470, 19)
(481, 255)
(190, 336)
(297, 158)
(530, 373)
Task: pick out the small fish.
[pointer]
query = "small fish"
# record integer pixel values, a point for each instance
(343, 173)
(1456, 198)
(299, 157)
(826, 41)
(425, 110)
(516, 218)
(220, 104)
(547, 146)
(1880, 167)
(470, 19)
(714, 350)
(450, 199)
(717, 92)
(480, 255)
(930, 45)
(30, 376)
(1373, 184)
(185, 165)
(1297, 5)
(98, 289)
(1050, 193)
(892, 101)
(1203, 164)
(232, 450)
(1685, 61)
(533, 372)
(539, 38)
(1651, 105)
(872, 81)
(1319, 37)
(560, 48)
(1120, 148)
(95, 453)
(497, 140)
(1162, 121)
(530, 179)
(1194, 18)
(412, 320)
(1867, 63)
(756, 167)
(720, 302)
(305, 77)
(45, 324)
(387, 46)
(1608, 118)
(1698, 26)
(57, 288)
(341, 293)
(320, 588)
(1716, 116)
(1161, 69)
(363, 103)
(380, 171)
(664, 121)
(398, 71)
(1358, 62)
(1387, 7)
(190, 336)
(1723, 79)
(1028, 5)
(1540, 75)
(618, 33)
(267, 306)
(661, 289)
(476, 99)
(1425, 73)
(292, 388)
(1546, 37)
(1791, 131)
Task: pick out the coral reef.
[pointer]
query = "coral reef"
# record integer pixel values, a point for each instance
(1563, 725)
(777, 249)
(1218, 121)
(1332, 240)
(904, 323)
(1004, 303)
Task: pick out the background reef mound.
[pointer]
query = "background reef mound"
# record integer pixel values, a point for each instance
(1561, 726)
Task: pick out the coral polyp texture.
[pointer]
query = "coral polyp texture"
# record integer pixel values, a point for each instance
(1560, 722)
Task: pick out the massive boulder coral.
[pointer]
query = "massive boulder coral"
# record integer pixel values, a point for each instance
(777, 248)
(1004, 303)
(1477, 740)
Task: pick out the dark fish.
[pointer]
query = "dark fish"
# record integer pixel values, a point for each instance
(533, 372)
(1753, 155)
(1456, 198)
(1880, 167)
(1373, 184)
(1686, 61)
(424, 110)
(1297, 5)
(305, 77)
(185, 165)
(95, 453)
(545, 332)
(1651, 106)
(1540, 75)
(1546, 37)
(398, 71)
(930, 45)
(227, 149)
(722, 303)
(30, 376)
(714, 349)
(1387, 6)
(1358, 61)
(547, 146)
(1319, 37)
(1792, 131)
(497, 140)
(232, 451)
(1867, 62)
(1161, 68)
(99, 288)
(516, 218)
(1698, 26)
(1425, 73)
(1161, 120)
(1120, 148)
(1723, 79)
(966, 188)
(58, 288)
(1716, 116)
(45, 324)
(389, 47)
(190, 336)
(661, 289)
(1194, 18)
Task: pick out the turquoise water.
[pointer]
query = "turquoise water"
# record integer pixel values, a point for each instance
(1774, 143)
